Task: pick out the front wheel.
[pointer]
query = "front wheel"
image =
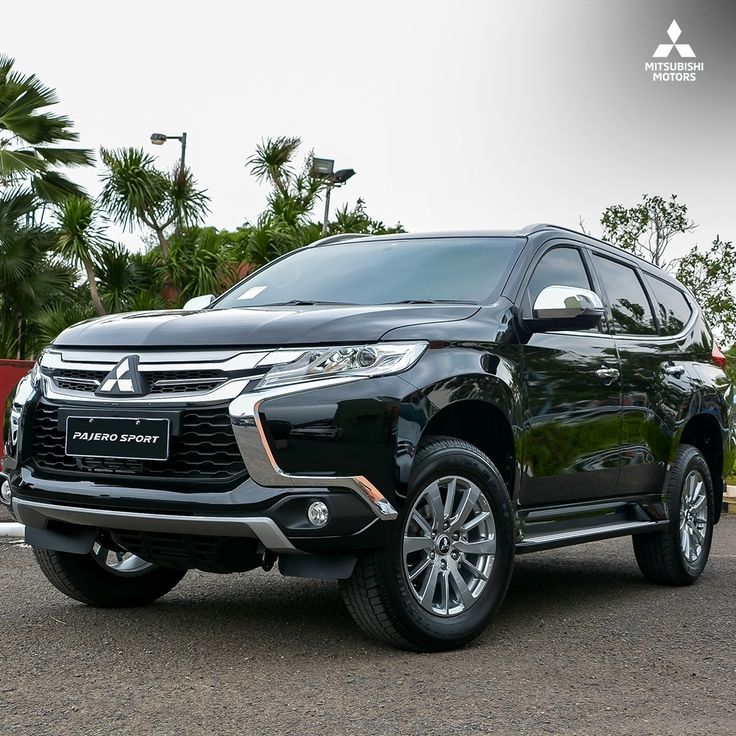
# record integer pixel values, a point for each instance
(108, 578)
(449, 566)
(677, 554)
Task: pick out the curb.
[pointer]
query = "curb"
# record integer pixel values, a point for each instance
(11, 530)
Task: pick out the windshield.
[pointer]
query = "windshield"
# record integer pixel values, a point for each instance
(422, 270)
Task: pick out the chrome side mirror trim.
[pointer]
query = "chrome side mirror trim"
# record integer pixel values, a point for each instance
(566, 301)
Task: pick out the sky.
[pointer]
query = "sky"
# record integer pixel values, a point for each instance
(467, 114)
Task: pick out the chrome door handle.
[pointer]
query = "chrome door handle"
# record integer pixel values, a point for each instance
(607, 374)
(674, 370)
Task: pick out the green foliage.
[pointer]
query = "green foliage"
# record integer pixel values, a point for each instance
(29, 274)
(711, 275)
(80, 239)
(200, 263)
(135, 192)
(29, 134)
(357, 220)
(647, 228)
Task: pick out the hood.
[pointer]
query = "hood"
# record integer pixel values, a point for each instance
(252, 326)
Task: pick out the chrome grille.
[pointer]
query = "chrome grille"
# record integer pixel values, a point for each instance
(200, 376)
(157, 382)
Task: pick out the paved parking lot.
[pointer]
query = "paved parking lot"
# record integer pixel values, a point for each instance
(582, 646)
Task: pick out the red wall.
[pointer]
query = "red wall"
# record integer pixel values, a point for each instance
(11, 371)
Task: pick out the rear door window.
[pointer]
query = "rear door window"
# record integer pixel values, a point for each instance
(672, 308)
(632, 313)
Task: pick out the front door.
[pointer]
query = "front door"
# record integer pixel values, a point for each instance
(572, 425)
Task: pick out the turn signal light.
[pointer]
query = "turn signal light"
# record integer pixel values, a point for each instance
(717, 356)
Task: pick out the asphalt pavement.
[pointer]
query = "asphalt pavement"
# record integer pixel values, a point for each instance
(583, 645)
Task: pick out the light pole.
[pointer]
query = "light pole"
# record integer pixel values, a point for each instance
(323, 168)
(158, 139)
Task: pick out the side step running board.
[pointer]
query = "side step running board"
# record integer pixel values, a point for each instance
(577, 536)
(558, 526)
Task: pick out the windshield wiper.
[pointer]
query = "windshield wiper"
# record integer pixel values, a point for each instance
(432, 301)
(303, 303)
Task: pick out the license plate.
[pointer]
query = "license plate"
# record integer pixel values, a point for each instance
(122, 438)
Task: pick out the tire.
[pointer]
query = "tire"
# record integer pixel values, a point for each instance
(664, 557)
(96, 581)
(411, 612)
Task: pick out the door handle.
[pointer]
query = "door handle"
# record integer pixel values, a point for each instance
(674, 369)
(607, 374)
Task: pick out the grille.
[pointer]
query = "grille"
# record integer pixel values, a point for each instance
(205, 450)
(185, 381)
(157, 381)
(79, 380)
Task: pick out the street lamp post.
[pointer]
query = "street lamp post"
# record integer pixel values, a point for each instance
(323, 168)
(158, 139)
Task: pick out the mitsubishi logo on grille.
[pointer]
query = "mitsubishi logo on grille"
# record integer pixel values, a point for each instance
(123, 380)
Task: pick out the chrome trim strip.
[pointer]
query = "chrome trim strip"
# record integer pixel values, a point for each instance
(590, 532)
(87, 381)
(261, 464)
(186, 381)
(223, 392)
(35, 514)
(192, 360)
(640, 338)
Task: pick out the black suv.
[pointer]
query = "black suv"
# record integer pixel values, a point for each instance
(404, 414)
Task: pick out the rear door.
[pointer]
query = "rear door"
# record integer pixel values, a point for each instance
(655, 379)
(572, 417)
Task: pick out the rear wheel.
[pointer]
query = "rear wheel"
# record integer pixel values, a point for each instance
(106, 577)
(677, 554)
(449, 565)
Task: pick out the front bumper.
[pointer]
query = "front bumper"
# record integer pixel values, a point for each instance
(271, 504)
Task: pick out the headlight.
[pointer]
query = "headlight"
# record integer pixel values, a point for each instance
(26, 386)
(361, 361)
(24, 390)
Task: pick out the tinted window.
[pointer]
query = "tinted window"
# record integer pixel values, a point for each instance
(382, 272)
(673, 310)
(629, 304)
(558, 267)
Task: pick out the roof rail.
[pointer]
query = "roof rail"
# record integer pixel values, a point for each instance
(337, 238)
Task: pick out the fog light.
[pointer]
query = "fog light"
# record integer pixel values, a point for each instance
(5, 492)
(317, 513)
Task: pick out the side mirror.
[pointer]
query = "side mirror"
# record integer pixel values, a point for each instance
(199, 302)
(565, 308)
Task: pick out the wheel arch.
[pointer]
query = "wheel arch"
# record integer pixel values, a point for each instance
(704, 432)
(485, 426)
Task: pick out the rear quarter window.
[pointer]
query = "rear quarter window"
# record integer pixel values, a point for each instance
(670, 304)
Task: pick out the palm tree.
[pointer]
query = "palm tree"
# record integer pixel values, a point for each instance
(273, 162)
(30, 134)
(29, 277)
(135, 192)
(80, 240)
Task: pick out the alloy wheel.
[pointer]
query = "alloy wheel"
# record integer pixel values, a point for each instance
(449, 546)
(693, 516)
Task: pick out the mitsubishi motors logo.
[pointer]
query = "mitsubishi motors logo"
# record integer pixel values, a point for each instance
(123, 380)
(664, 49)
(674, 71)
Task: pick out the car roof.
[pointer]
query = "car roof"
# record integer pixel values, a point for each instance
(525, 232)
